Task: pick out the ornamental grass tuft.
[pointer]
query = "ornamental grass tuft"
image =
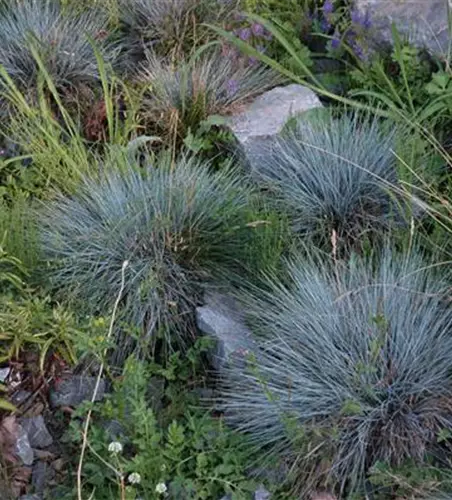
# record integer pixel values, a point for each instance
(179, 226)
(353, 369)
(333, 175)
(172, 28)
(60, 38)
(181, 96)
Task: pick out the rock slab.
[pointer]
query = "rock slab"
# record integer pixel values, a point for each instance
(23, 447)
(38, 435)
(262, 493)
(266, 116)
(75, 389)
(41, 476)
(424, 22)
(221, 319)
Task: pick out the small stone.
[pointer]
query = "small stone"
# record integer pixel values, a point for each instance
(262, 494)
(45, 455)
(23, 448)
(38, 434)
(19, 397)
(75, 389)
(58, 464)
(221, 319)
(41, 476)
(4, 373)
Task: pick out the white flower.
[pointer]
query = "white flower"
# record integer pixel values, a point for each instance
(161, 488)
(134, 478)
(115, 447)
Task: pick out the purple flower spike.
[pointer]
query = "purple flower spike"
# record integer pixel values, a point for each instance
(325, 26)
(245, 34)
(267, 36)
(367, 21)
(359, 51)
(351, 36)
(232, 88)
(335, 42)
(328, 7)
(257, 29)
(356, 16)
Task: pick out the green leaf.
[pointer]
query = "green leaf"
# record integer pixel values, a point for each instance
(215, 121)
(351, 408)
(224, 469)
(444, 435)
(6, 405)
(176, 434)
(441, 79)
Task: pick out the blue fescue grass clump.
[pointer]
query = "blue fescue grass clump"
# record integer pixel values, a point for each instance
(177, 225)
(181, 96)
(354, 368)
(333, 175)
(147, 23)
(171, 27)
(60, 39)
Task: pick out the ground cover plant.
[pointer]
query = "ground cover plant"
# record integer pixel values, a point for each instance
(333, 175)
(60, 40)
(175, 224)
(126, 204)
(346, 367)
(170, 27)
(181, 451)
(184, 95)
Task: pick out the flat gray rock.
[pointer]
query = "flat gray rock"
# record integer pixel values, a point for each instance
(423, 21)
(266, 116)
(23, 447)
(38, 435)
(262, 493)
(221, 319)
(4, 373)
(41, 476)
(75, 389)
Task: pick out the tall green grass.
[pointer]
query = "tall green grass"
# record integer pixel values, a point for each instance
(52, 137)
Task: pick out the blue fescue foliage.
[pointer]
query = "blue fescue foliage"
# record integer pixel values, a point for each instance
(354, 368)
(177, 225)
(182, 96)
(60, 39)
(332, 174)
(170, 26)
(145, 21)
